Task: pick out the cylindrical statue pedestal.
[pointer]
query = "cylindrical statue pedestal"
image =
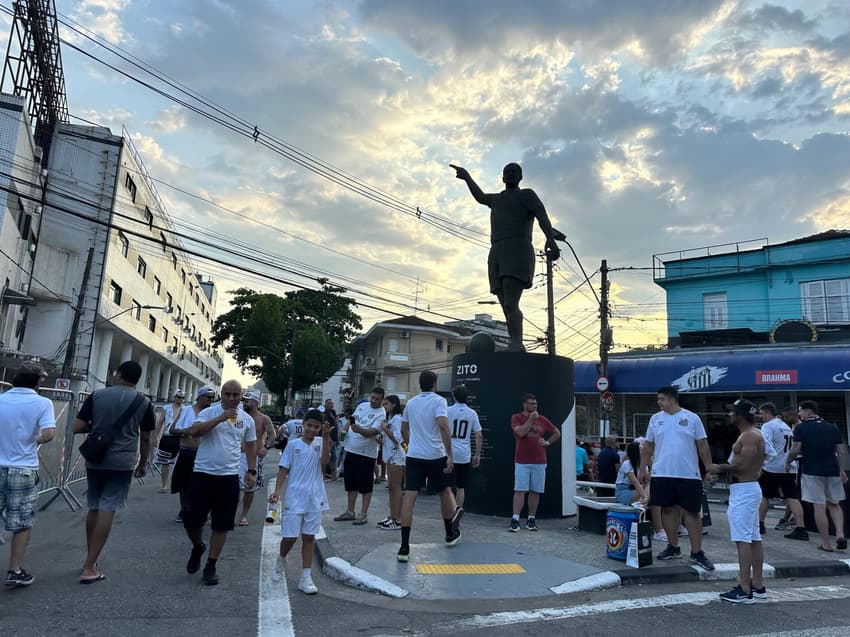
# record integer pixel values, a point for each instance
(497, 382)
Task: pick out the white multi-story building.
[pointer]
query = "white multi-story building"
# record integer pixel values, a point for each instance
(21, 180)
(111, 280)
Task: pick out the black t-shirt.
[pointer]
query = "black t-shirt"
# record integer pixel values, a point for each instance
(606, 465)
(330, 418)
(818, 438)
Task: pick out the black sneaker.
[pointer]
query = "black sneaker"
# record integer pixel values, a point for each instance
(841, 543)
(403, 554)
(454, 538)
(758, 593)
(514, 527)
(701, 560)
(799, 533)
(194, 562)
(670, 553)
(210, 577)
(456, 516)
(21, 578)
(531, 524)
(738, 596)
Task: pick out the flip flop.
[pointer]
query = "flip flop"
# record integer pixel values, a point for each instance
(92, 579)
(163, 490)
(243, 522)
(820, 548)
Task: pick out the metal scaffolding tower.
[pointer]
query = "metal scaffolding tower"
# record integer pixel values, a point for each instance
(33, 68)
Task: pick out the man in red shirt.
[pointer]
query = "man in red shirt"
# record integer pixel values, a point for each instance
(530, 430)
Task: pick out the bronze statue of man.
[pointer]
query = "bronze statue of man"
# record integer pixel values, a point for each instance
(510, 265)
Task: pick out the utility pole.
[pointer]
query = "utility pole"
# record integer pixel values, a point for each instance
(604, 341)
(71, 349)
(550, 307)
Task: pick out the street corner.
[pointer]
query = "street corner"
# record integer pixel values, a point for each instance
(481, 570)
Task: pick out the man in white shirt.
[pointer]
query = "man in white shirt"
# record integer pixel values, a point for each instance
(214, 488)
(464, 424)
(361, 451)
(425, 429)
(675, 442)
(775, 482)
(26, 421)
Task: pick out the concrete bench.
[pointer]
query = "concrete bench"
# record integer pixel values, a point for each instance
(593, 512)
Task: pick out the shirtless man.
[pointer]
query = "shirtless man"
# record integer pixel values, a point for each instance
(744, 469)
(510, 264)
(265, 439)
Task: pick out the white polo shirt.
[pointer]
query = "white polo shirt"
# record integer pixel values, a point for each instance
(675, 437)
(219, 449)
(368, 417)
(421, 413)
(23, 414)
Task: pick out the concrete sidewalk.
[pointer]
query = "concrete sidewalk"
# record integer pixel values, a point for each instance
(557, 559)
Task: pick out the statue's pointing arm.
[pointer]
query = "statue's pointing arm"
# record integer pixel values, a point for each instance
(480, 196)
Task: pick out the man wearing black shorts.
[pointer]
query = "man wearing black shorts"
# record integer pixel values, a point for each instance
(775, 482)
(185, 465)
(214, 488)
(361, 450)
(675, 441)
(425, 428)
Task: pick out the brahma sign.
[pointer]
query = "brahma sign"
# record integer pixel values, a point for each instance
(776, 377)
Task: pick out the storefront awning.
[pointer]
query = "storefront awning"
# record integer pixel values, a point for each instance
(787, 369)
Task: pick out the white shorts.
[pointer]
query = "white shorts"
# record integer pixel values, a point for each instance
(397, 457)
(529, 477)
(743, 511)
(821, 489)
(295, 524)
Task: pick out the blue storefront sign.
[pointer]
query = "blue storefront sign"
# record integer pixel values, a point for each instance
(701, 371)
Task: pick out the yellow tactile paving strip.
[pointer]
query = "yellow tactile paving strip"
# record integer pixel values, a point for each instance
(469, 569)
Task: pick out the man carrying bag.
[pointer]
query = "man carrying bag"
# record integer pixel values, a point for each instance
(119, 421)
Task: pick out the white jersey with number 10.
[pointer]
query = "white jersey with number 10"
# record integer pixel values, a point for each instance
(463, 422)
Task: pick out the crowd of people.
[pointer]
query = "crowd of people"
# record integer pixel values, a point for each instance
(213, 453)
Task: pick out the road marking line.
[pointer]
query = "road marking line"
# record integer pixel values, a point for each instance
(605, 579)
(274, 615)
(477, 622)
(469, 569)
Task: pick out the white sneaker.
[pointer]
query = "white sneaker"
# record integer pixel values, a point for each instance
(278, 572)
(661, 536)
(306, 585)
(683, 532)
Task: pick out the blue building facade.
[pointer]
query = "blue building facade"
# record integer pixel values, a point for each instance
(742, 293)
(750, 320)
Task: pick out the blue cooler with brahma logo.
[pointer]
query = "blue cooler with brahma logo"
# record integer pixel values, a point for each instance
(617, 527)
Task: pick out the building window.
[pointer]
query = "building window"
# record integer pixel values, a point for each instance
(131, 186)
(157, 285)
(179, 312)
(142, 268)
(148, 217)
(439, 345)
(448, 348)
(152, 323)
(163, 241)
(125, 244)
(393, 345)
(137, 310)
(174, 261)
(174, 344)
(169, 300)
(183, 275)
(826, 302)
(165, 335)
(715, 311)
(115, 292)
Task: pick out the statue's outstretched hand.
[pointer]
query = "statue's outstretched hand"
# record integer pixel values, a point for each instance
(460, 173)
(552, 250)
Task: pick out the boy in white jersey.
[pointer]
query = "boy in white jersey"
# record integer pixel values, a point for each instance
(775, 482)
(305, 498)
(464, 423)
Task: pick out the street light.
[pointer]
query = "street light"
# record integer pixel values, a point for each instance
(140, 307)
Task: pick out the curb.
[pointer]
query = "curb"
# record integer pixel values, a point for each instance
(346, 573)
(729, 572)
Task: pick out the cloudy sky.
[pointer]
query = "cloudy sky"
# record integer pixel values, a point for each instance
(644, 127)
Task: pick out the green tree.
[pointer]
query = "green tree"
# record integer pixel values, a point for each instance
(299, 336)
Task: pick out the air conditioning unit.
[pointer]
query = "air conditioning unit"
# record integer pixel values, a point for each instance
(370, 360)
(405, 334)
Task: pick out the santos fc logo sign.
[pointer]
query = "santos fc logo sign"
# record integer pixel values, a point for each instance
(700, 378)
